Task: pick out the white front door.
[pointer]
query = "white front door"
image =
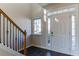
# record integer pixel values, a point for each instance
(61, 29)
(60, 32)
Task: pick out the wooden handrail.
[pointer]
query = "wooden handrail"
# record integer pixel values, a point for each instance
(14, 24)
(11, 20)
(25, 50)
(0, 29)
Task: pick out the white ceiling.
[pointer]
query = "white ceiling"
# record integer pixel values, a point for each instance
(16, 8)
(43, 4)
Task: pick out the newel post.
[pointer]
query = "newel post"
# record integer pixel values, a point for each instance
(25, 50)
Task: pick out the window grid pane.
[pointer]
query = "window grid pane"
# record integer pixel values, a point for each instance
(37, 26)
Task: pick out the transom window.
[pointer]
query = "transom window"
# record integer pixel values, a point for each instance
(37, 26)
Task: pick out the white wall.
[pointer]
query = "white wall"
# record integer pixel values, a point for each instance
(39, 40)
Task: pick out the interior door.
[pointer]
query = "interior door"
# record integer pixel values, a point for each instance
(60, 28)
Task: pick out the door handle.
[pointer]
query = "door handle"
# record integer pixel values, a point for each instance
(51, 33)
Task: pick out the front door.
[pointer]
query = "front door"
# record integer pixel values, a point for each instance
(60, 32)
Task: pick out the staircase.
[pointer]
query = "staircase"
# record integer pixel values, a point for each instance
(11, 35)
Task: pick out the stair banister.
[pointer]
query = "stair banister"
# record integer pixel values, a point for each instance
(25, 50)
(17, 28)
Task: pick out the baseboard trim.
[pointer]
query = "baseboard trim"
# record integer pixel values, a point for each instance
(40, 46)
(28, 46)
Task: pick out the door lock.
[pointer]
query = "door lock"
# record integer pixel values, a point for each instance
(51, 33)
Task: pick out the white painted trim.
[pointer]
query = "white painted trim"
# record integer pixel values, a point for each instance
(15, 53)
(28, 46)
(39, 46)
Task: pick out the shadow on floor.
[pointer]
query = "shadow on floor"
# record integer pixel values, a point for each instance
(35, 51)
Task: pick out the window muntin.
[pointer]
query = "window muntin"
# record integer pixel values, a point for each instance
(37, 26)
(62, 11)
